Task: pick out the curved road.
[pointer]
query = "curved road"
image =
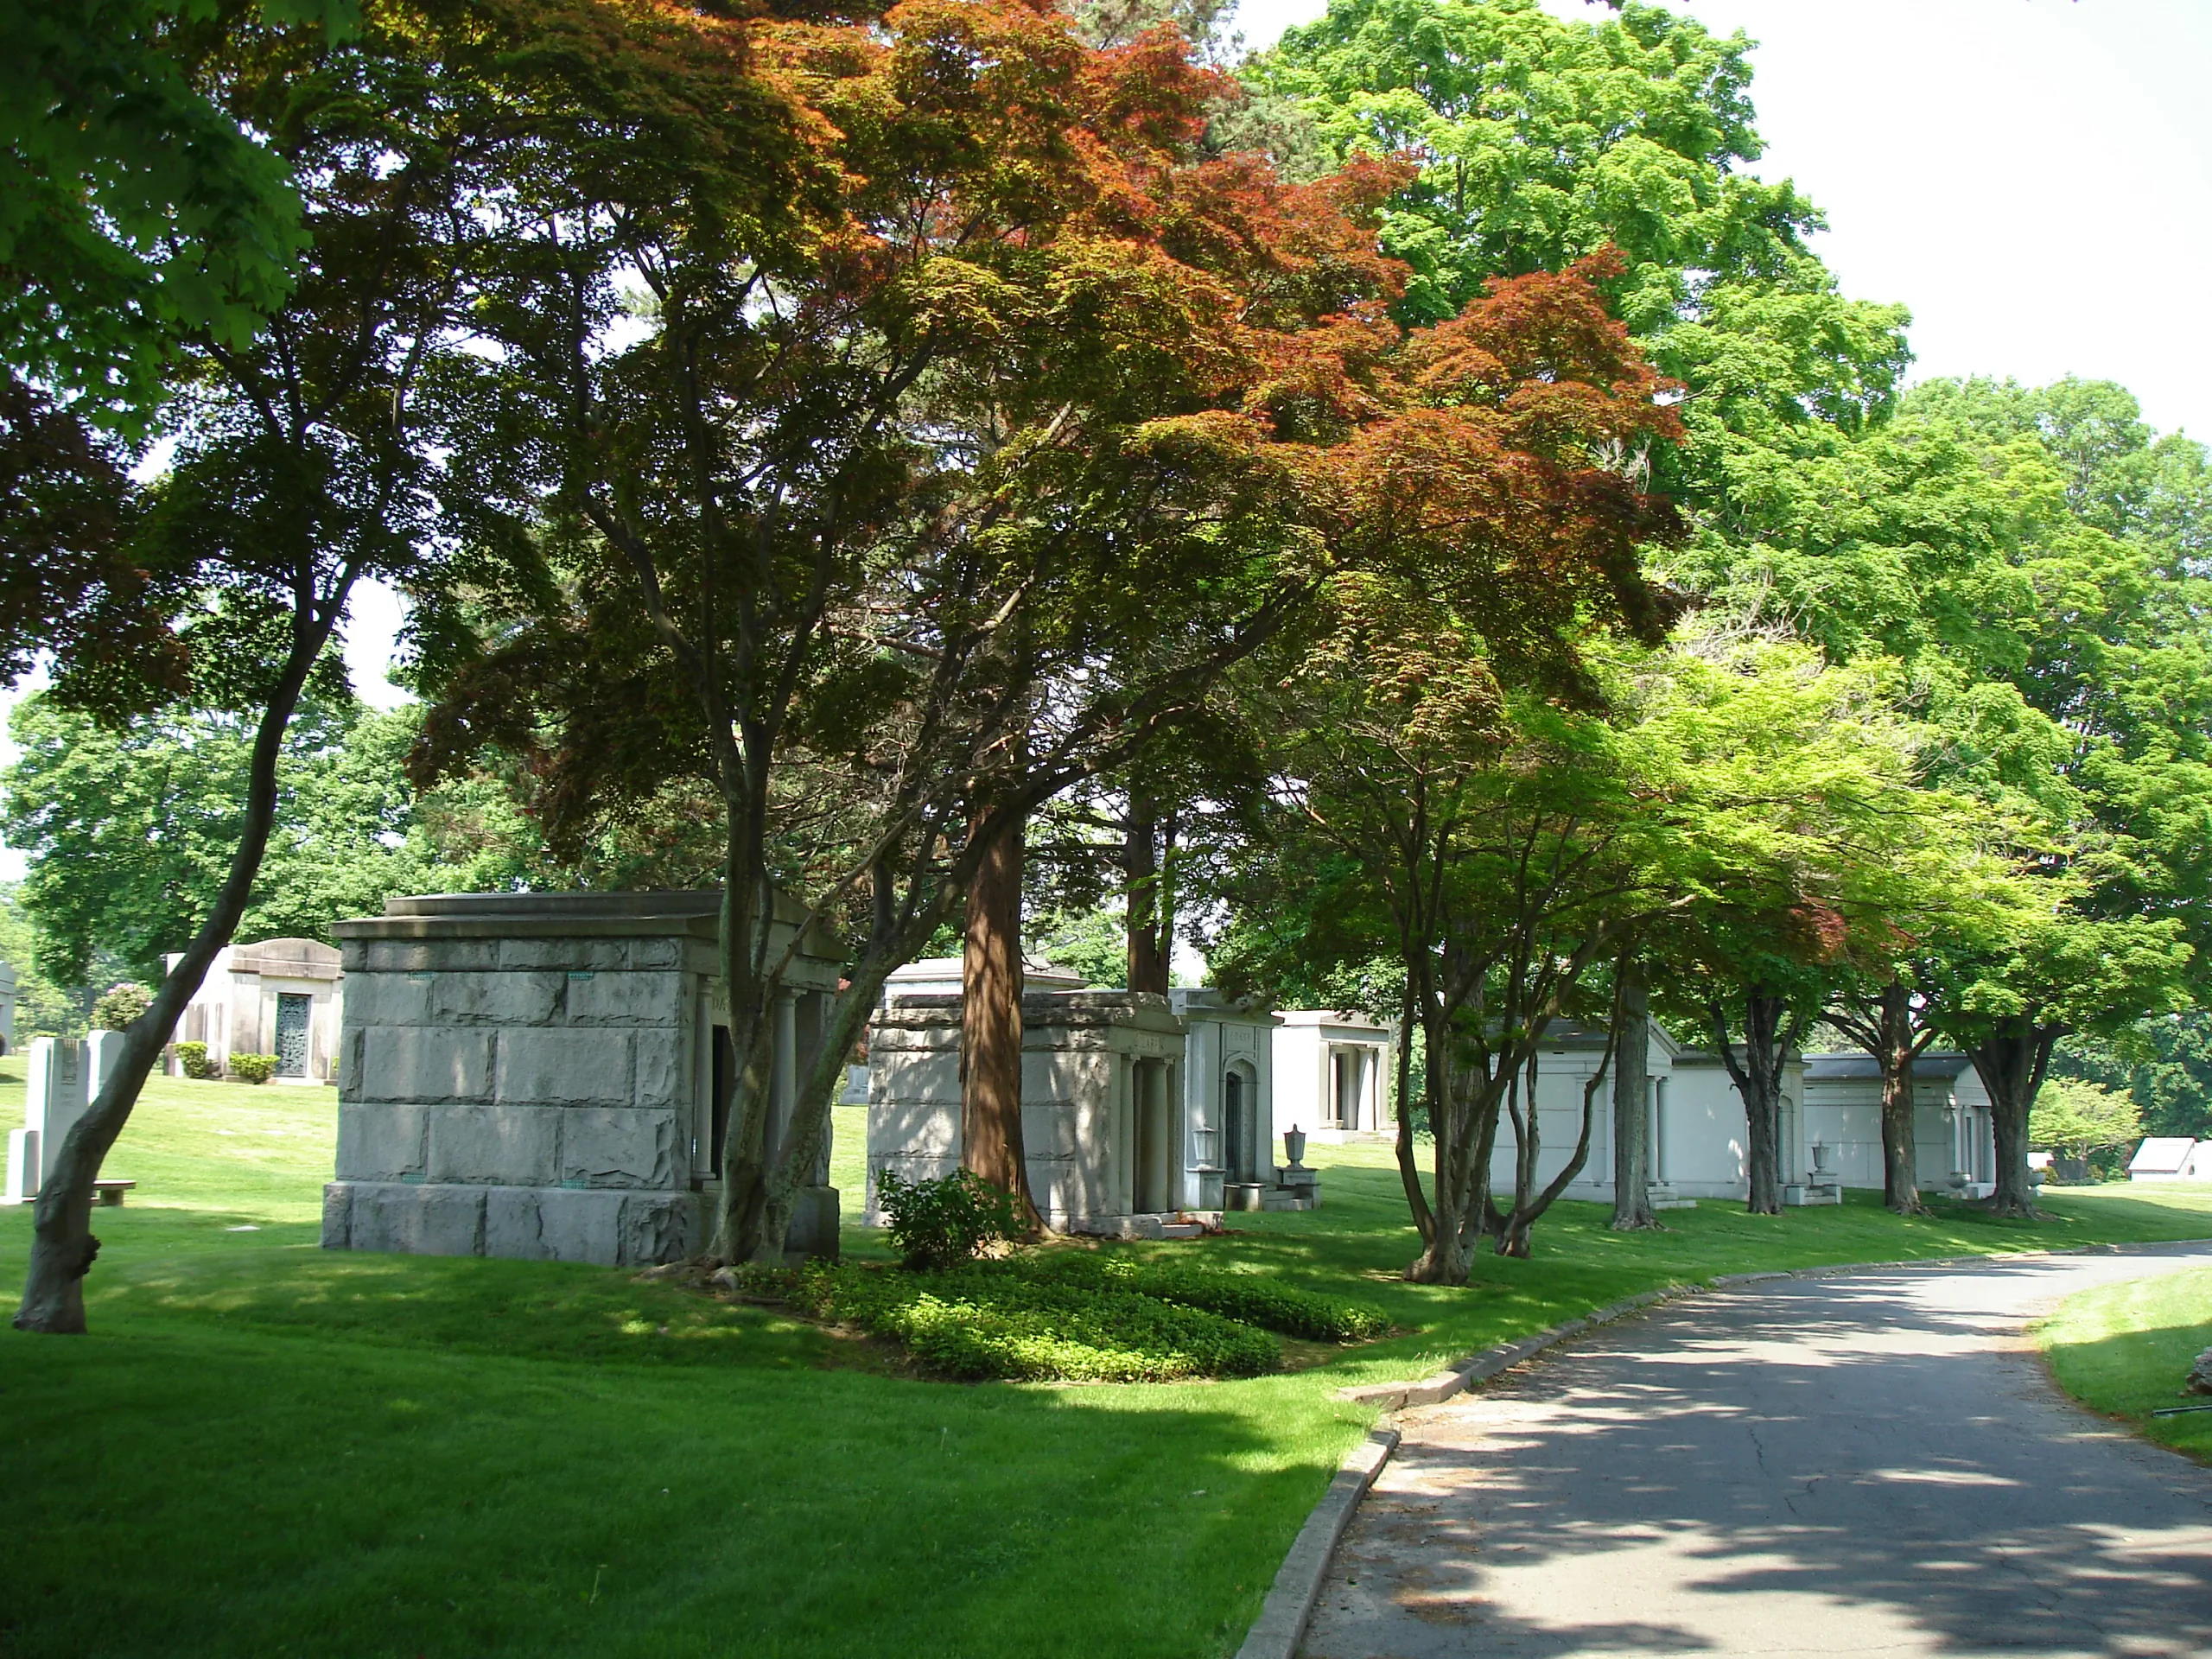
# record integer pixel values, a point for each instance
(1874, 1463)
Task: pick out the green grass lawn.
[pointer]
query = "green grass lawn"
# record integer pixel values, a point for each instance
(2124, 1349)
(263, 1449)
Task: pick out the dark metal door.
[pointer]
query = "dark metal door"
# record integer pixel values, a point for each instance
(293, 1013)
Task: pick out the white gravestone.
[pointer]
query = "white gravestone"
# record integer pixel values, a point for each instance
(104, 1048)
(54, 1098)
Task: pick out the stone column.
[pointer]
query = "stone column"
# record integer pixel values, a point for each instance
(1157, 1137)
(1121, 1165)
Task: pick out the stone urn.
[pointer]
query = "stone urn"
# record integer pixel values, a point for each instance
(1822, 1175)
(1293, 1146)
(2200, 1375)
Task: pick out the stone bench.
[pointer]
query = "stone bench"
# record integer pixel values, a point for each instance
(110, 1192)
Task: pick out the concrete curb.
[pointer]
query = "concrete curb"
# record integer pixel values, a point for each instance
(1276, 1633)
(1281, 1623)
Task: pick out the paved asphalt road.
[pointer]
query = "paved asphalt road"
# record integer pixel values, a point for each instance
(1871, 1463)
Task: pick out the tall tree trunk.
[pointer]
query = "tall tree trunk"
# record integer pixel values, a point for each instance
(1513, 1237)
(1757, 1077)
(824, 1080)
(990, 1014)
(2010, 1062)
(741, 1231)
(1445, 1258)
(62, 1243)
(1631, 1083)
(1900, 1148)
(1149, 951)
(1408, 1167)
(1527, 1147)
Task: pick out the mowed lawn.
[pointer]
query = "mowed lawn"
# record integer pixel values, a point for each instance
(2124, 1349)
(265, 1449)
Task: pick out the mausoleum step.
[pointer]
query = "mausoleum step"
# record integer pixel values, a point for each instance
(1166, 1223)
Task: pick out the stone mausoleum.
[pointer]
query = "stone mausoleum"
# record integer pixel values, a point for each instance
(1142, 1115)
(1831, 1124)
(538, 1076)
(280, 997)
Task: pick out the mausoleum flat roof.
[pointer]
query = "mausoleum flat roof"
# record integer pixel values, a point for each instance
(693, 912)
(1856, 1063)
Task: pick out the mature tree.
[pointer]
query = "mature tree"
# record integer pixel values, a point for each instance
(2166, 1063)
(2076, 1120)
(305, 457)
(960, 443)
(2010, 1004)
(1810, 827)
(130, 831)
(1891, 1020)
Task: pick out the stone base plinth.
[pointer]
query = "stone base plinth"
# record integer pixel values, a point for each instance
(612, 1227)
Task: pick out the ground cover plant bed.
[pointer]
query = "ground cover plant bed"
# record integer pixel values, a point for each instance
(264, 1448)
(990, 1320)
(1249, 1298)
(1074, 1315)
(2123, 1350)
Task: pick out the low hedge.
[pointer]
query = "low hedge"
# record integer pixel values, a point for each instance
(987, 1322)
(1246, 1298)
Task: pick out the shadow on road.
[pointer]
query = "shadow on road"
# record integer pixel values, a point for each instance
(1841, 1465)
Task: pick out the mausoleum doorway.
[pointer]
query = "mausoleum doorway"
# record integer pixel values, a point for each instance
(1241, 1120)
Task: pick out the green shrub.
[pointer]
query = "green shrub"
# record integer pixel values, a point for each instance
(253, 1068)
(1250, 1299)
(983, 1321)
(192, 1057)
(941, 1223)
(119, 1004)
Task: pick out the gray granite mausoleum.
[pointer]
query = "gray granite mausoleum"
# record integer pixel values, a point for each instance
(536, 1075)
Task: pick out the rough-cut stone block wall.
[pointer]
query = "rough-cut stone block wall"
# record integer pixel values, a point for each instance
(525, 1097)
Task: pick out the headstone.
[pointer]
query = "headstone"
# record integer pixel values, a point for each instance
(23, 1166)
(55, 1096)
(103, 1049)
(2199, 1374)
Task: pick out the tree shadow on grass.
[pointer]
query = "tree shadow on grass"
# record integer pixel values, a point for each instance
(192, 1486)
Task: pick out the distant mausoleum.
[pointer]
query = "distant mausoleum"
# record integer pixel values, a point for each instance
(280, 996)
(1228, 1100)
(1830, 1132)
(1953, 1140)
(1142, 1115)
(543, 1077)
(2170, 1158)
(1331, 1075)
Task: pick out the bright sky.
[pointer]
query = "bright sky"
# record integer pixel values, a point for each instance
(2032, 177)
